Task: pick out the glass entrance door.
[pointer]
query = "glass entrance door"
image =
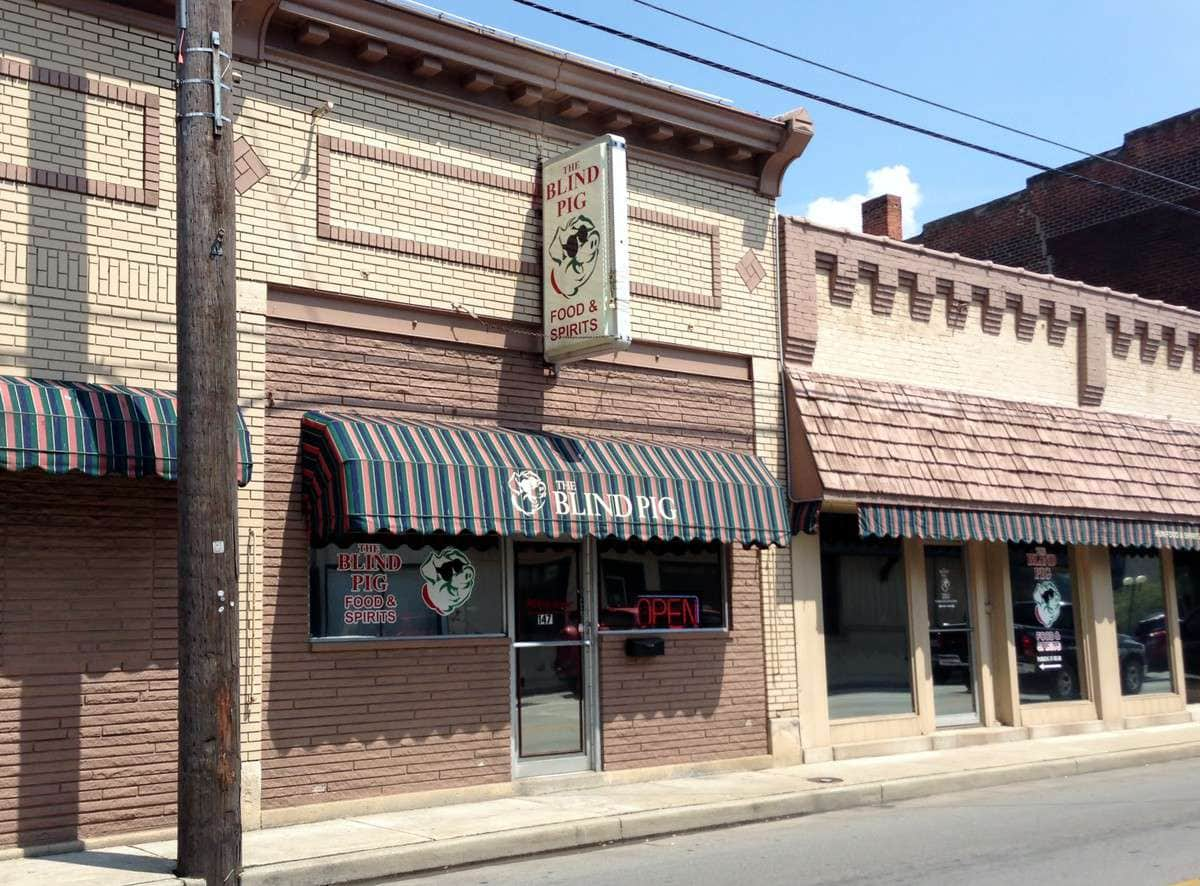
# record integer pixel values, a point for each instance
(951, 637)
(553, 661)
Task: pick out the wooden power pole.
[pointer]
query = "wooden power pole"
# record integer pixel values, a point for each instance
(209, 806)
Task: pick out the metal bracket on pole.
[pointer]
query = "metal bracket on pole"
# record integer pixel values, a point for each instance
(216, 82)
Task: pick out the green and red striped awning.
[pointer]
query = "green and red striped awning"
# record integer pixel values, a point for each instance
(967, 525)
(65, 426)
(367, 475)
(806, 516)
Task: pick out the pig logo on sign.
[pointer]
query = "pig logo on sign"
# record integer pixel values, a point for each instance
(574, 249)
(449, 580)
(1047, 603)
(527, 491)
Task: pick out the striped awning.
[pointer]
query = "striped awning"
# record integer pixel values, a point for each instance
(806, 516)
(367, 475)
(64, 426)
(967, 525)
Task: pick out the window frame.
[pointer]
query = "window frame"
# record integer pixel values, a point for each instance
(1082, 625)
(911, 632)
(345, 541)
(725, 568)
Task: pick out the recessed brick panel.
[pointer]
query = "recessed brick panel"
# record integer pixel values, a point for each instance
(66, 132)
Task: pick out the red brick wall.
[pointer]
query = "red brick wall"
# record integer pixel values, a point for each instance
(351, 724)
(703, 699)
(1077, 230)
(87, 656)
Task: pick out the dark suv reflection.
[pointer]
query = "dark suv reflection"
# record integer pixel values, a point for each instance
(1062, 683)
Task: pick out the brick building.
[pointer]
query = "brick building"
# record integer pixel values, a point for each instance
(440, 592)
(1005, 469)
(389, 291)
(1077, 231)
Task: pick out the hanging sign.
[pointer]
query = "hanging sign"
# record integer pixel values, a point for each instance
(585, 252)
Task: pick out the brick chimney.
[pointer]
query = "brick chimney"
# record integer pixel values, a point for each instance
(881, 216)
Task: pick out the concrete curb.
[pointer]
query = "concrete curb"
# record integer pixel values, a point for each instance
(397, 861)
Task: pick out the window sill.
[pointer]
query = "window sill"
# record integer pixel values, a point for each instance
(363, 644)
(667, 633)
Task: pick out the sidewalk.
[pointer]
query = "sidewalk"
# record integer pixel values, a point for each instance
(348, 850)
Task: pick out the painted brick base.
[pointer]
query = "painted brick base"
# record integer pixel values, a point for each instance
(704, 699)
(360, 723)
(87, 657)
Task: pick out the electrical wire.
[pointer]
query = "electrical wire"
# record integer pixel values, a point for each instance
(862, 112)
(925, 101)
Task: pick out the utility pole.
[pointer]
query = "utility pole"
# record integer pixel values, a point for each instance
(209, 804)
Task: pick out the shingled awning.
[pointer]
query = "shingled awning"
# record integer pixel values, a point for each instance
(65, 426)
(365, 474)
(936, 464)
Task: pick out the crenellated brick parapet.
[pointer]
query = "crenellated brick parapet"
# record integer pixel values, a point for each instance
(876, 306)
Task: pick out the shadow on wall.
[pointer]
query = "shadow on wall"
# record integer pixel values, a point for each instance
(87, 656)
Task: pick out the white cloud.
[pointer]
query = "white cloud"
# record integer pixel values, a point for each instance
(846, 212)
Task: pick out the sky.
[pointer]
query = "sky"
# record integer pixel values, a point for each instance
(1080, 72)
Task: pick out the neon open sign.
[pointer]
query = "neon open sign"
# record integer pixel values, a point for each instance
(668, 612)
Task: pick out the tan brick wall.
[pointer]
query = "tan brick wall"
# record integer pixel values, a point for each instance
(87, 657)
(704, 700)
(895, 312)
(280, 242)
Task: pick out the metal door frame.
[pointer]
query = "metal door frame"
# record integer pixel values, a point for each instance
(974, 718)
(589, 760)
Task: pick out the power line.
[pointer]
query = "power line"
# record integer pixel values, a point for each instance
(862, 112)
(925, 101)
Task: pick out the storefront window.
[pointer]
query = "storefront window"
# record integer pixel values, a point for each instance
(1045, 623)
(423, 586)
(1187, 592)
(1143, 643)
(867, 663)
(656, 586)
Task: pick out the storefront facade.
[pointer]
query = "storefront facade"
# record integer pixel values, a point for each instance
(389, 261)
(1004, 469)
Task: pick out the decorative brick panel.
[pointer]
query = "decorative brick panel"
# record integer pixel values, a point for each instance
(958, 306)
(1060, 322)
(326, 230)
(844, 286)
(750, 269)
(994, 303)
(710, 299)
(248, 169)
(147, 102)
(1028, 309)
(883, 292)
(801, 272)
(1093, 360)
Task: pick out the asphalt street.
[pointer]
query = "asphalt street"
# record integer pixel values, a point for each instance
(1130, 826)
